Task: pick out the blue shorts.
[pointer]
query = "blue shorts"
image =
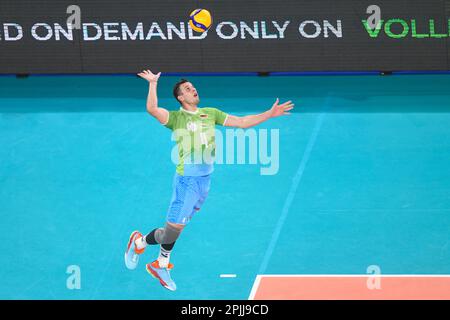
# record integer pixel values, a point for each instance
(189, 193)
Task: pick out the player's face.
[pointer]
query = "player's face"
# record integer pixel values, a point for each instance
(189, 94)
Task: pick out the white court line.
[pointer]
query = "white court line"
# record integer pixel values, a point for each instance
(260, 276)
(228, 275)
(255, 287)
(293, 189)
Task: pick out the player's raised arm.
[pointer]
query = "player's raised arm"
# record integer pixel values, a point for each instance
(253, 120)
(152, 100)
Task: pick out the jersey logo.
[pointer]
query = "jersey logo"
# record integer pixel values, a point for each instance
(191, 126)
(204, 116)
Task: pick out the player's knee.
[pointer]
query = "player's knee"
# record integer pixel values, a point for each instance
(167, 235)
(159, 234)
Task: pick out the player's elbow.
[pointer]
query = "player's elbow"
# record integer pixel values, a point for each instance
(152, 109)
(240, 123)
(243, 125)
(236, 122)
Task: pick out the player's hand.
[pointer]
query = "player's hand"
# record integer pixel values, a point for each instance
(281, 109)
(149, 76)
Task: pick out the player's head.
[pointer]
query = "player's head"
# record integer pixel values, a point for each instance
(185, 93)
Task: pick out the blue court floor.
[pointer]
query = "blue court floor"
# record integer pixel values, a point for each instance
(363, 179)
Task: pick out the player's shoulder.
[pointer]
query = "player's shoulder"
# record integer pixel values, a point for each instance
(175, 111)
(208, 109)
(172, 118)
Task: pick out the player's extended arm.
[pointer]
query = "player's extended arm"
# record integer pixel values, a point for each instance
(253, 120)
(152, 99)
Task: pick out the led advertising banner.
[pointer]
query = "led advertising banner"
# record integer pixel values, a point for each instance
(98, 36)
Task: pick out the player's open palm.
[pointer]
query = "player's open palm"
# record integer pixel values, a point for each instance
(281, 109)
(149, 76)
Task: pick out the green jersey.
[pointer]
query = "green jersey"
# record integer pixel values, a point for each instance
(194, 134)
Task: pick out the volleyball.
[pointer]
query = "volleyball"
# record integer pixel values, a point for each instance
(200, 20)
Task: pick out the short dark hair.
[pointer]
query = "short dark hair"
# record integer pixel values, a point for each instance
(176, 88)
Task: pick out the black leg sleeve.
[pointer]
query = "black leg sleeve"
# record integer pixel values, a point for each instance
(168, 246)
(150, 238)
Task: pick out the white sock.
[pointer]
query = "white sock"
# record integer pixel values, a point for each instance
(164, 257)
(140, 243)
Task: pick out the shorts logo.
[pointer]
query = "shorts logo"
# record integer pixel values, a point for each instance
(191, 126)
